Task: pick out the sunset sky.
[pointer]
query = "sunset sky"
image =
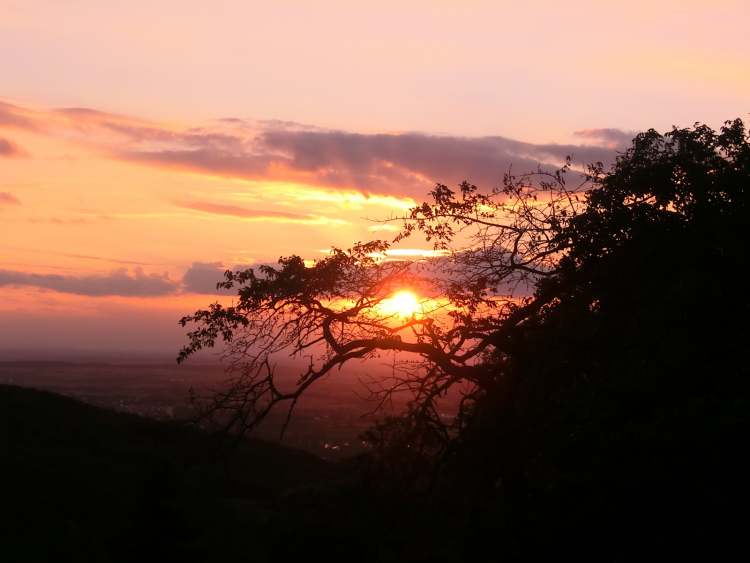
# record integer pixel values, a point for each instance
(146, 146)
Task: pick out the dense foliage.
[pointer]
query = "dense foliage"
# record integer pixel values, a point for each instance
(617, 410)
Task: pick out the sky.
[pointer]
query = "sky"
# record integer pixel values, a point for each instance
(147, 146)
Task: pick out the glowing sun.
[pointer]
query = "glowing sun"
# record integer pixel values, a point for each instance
(402, 303)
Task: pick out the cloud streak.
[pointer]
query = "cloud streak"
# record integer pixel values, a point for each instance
(392, 164)
(119, 282)
(407, 163)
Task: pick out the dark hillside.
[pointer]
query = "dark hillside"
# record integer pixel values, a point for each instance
(86, 484)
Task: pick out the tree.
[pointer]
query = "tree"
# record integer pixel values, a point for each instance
(601, 331)
(337, 304)
(509, 261)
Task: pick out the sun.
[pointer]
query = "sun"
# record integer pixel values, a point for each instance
(402, 304)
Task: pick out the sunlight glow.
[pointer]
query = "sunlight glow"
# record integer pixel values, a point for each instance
(403, 304)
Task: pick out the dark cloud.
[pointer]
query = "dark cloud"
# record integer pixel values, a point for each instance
(7, 198)
(10, 149)
(119, 282)
(202, 277)
(391, 163)
(236, 211)
(405, 164)
(613, 138)
(388, 162)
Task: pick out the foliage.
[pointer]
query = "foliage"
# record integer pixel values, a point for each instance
(618, 406)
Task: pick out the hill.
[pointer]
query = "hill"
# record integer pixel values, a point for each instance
(87, 484)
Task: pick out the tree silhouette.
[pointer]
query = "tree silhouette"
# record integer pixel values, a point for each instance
(592, 274)
(333, 310)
